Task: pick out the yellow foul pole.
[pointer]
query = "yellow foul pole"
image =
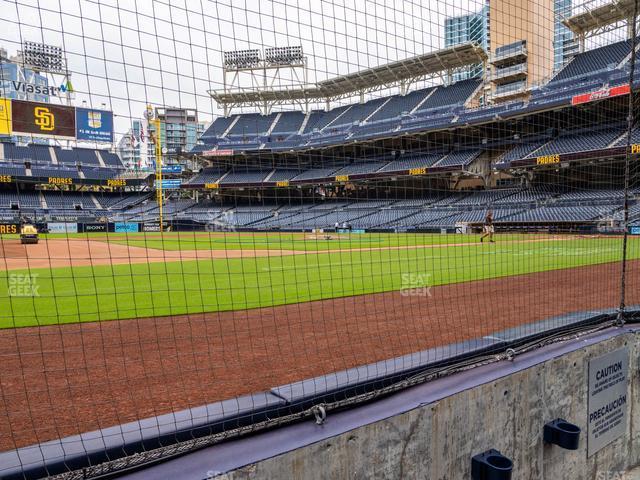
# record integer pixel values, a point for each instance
(158, 150)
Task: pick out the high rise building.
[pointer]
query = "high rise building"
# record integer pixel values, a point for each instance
(180, 128)
(466, 28)
(525, 40)
(564, 43)
(19, 83)
(129, 146)
(180, 131)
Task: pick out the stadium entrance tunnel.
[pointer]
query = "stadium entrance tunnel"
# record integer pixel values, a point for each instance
(518, 385)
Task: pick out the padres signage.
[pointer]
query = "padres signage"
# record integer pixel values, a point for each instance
(116, 182)
(547, 159)
(59, 180)
(9, 228)
(43, 119)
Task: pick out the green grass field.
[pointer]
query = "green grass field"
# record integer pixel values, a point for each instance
(276, 241)
(66, 295)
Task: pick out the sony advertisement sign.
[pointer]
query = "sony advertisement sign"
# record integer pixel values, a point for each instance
(93, 227)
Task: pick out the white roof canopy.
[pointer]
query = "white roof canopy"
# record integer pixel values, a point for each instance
(368, 80)
(595, 20)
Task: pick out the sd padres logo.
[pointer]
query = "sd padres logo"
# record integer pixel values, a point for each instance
(44, 118)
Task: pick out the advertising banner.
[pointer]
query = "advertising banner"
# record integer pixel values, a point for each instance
(217, 153)
(172, 169)
(62, 227)
(600, 94)
(43, 119)
(94, 125)
(169, 184)
(153, 226)
(28, 88)
(93, 227)
(123, 227)
(5, 116)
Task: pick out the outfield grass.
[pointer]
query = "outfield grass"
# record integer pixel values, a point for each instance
(80, 294)
(279, 241)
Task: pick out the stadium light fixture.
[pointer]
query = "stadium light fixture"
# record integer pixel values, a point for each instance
(238, 59)
(43, 58)
(283, 56)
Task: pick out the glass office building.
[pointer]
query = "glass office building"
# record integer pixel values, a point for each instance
(473, 27)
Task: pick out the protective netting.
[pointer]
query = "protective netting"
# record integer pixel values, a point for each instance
(262, 206)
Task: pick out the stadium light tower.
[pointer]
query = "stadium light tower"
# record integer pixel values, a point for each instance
(48, 59)
(264, 71)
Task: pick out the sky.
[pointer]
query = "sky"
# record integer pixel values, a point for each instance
(129, 53)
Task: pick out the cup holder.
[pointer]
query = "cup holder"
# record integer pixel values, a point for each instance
(562, 433)
(491, 465)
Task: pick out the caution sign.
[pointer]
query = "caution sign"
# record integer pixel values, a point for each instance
(607, 419)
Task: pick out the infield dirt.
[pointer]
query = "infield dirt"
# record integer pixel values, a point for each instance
(62, 380)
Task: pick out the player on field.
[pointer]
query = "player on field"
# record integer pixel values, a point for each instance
(488, 227)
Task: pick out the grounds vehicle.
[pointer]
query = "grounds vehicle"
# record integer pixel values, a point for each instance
(28, 234)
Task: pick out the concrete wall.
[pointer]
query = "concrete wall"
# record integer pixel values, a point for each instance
(437, 440)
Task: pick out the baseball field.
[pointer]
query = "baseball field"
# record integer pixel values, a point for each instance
(109, 328)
